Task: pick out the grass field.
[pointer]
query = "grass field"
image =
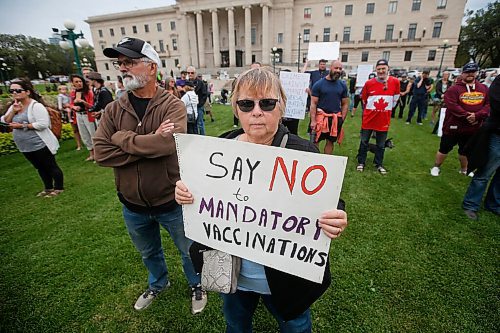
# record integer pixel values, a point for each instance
(408, 262)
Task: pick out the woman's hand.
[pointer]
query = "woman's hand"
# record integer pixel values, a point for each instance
(333, 222)
(165, 128)
(182, 194)
(17, 106)
(16, 125)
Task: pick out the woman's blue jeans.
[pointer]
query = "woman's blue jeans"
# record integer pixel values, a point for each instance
(478, 184)
(239, 308)
(144, 230)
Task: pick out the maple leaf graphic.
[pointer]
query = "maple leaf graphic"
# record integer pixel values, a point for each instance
(380, 104)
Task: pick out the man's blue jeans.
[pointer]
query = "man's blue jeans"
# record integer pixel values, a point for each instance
(478, 184)
(239, 308)
(419, 101)
(200, 120)
(144, 230)
(363, 147)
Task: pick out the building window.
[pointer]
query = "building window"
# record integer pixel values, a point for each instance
(307, 13)
(163, 63)
(158, 27)
(113, 45)
(112, 32)
(393, 7)
(134, 29)
(348, 9)
(172, 25)
(441, 4)
(108, 78)
(103, 46)
(122, 30)
(99, 32)
(174, 44)
(347, 34)
(253, 35)
(280, 38)
(408, 55)
(370, 8)
(412, 31)
(386, 55)
(326, 34)
(432, 55)
(146, 27)
(106, 65)
(162, 46)
(368, 33)
(364, 56)
(345, 57)
(328, 10)
(389, 32)
(307, 35)
(415, 6)
(176, 62)
(436, 31)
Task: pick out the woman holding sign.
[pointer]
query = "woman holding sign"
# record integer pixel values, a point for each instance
(259, 102)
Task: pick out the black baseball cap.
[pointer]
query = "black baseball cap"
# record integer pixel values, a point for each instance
(470, 67)
(382, 62)
(133, 48)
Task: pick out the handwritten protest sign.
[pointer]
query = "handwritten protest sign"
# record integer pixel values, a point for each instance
(295, 85)
(328, 51)
(260, 203)
(362, 74)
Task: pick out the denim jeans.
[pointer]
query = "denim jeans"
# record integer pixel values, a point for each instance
(144, 230)
(200, 121)
(419, 101)
(478, 184)
(239, 308)
(363, 147)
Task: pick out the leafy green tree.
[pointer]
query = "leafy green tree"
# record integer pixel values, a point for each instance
(480, 37)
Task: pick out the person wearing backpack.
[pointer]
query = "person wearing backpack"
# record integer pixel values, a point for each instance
(30, 123)
(102, 96)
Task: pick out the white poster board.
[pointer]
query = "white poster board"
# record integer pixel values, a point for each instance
(362, 74)
(441, 122)
(328, 51)
(259, 202)
(295, 85)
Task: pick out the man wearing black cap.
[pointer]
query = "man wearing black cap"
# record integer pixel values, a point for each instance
(420, 88)
(467, 106)
(379, 96)
(102, 96)
(135, 137)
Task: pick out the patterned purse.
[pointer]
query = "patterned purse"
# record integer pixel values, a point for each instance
(220, 271)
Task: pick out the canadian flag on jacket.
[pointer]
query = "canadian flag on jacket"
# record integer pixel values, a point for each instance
(379, 99)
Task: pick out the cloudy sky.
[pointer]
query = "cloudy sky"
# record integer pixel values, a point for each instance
(37, 17)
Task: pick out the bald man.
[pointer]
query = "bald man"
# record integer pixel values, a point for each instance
(329, 105)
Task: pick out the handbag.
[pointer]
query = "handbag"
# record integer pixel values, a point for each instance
(191, 117)
(220, 271)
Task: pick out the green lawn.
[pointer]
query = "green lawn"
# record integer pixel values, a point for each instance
(408, 262)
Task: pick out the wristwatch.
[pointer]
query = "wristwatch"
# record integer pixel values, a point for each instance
(25, 126)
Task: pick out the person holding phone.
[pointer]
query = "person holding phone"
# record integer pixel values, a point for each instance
(30, 123)
(82, 99)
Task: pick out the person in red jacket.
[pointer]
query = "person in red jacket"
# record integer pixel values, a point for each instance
(467, 106)
(380, 94)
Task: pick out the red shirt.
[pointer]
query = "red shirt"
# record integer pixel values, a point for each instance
(378, 100)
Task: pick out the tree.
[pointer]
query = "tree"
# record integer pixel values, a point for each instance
(480, 37)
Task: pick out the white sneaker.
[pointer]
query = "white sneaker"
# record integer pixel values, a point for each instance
(471, 174)
(198, 299)
(435, 171)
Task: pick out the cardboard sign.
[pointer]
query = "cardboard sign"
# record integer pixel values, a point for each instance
(441, 122)
(362, 74)
(328, 51)
(295, 85)
(260, 203)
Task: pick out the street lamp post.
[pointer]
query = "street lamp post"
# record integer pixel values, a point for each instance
(298, 56)
(444, 47)
(70, 35)
(273, 55)
(2, 69)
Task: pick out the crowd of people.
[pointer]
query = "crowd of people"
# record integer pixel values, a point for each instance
(133, 134)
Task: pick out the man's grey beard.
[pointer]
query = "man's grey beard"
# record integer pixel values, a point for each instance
(134, 82)
(334, 76)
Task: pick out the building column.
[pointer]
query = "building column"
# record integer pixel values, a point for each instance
(232, 41)
(265, 34)
(193, 47)
(215, 29)
(248, 35)
(201, 41)
(184, 46)
(288, 36)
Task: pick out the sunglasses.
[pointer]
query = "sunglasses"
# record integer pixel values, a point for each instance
(266, 104)
(128, 63)
(17, 91)
(190, 72)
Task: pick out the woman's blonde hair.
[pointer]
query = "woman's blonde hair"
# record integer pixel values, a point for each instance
(259, 81)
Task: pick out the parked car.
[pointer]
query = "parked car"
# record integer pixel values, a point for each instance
(454, 72)
(413, 73)
(397, 72)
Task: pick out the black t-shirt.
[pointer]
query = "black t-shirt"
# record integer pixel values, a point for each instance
(139, 104)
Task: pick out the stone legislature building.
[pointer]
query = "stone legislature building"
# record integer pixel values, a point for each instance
(229, 35)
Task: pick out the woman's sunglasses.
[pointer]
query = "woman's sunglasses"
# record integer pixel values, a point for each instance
(17, 91)
(266, 104)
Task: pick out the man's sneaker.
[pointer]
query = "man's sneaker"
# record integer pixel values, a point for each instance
(198, 299)
(435, 171)
(419, 124)
(382, 170)
(147, 298)
(471, 214)
(360, 167)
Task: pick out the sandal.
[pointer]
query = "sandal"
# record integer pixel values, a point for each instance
(54, 193)
(382, 170)
(44, 193)
(360, 167)
(89, 159)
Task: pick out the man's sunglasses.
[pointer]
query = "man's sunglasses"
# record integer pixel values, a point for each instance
(266, 104)
(190, 72)
(17, 91)
(128, 63)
